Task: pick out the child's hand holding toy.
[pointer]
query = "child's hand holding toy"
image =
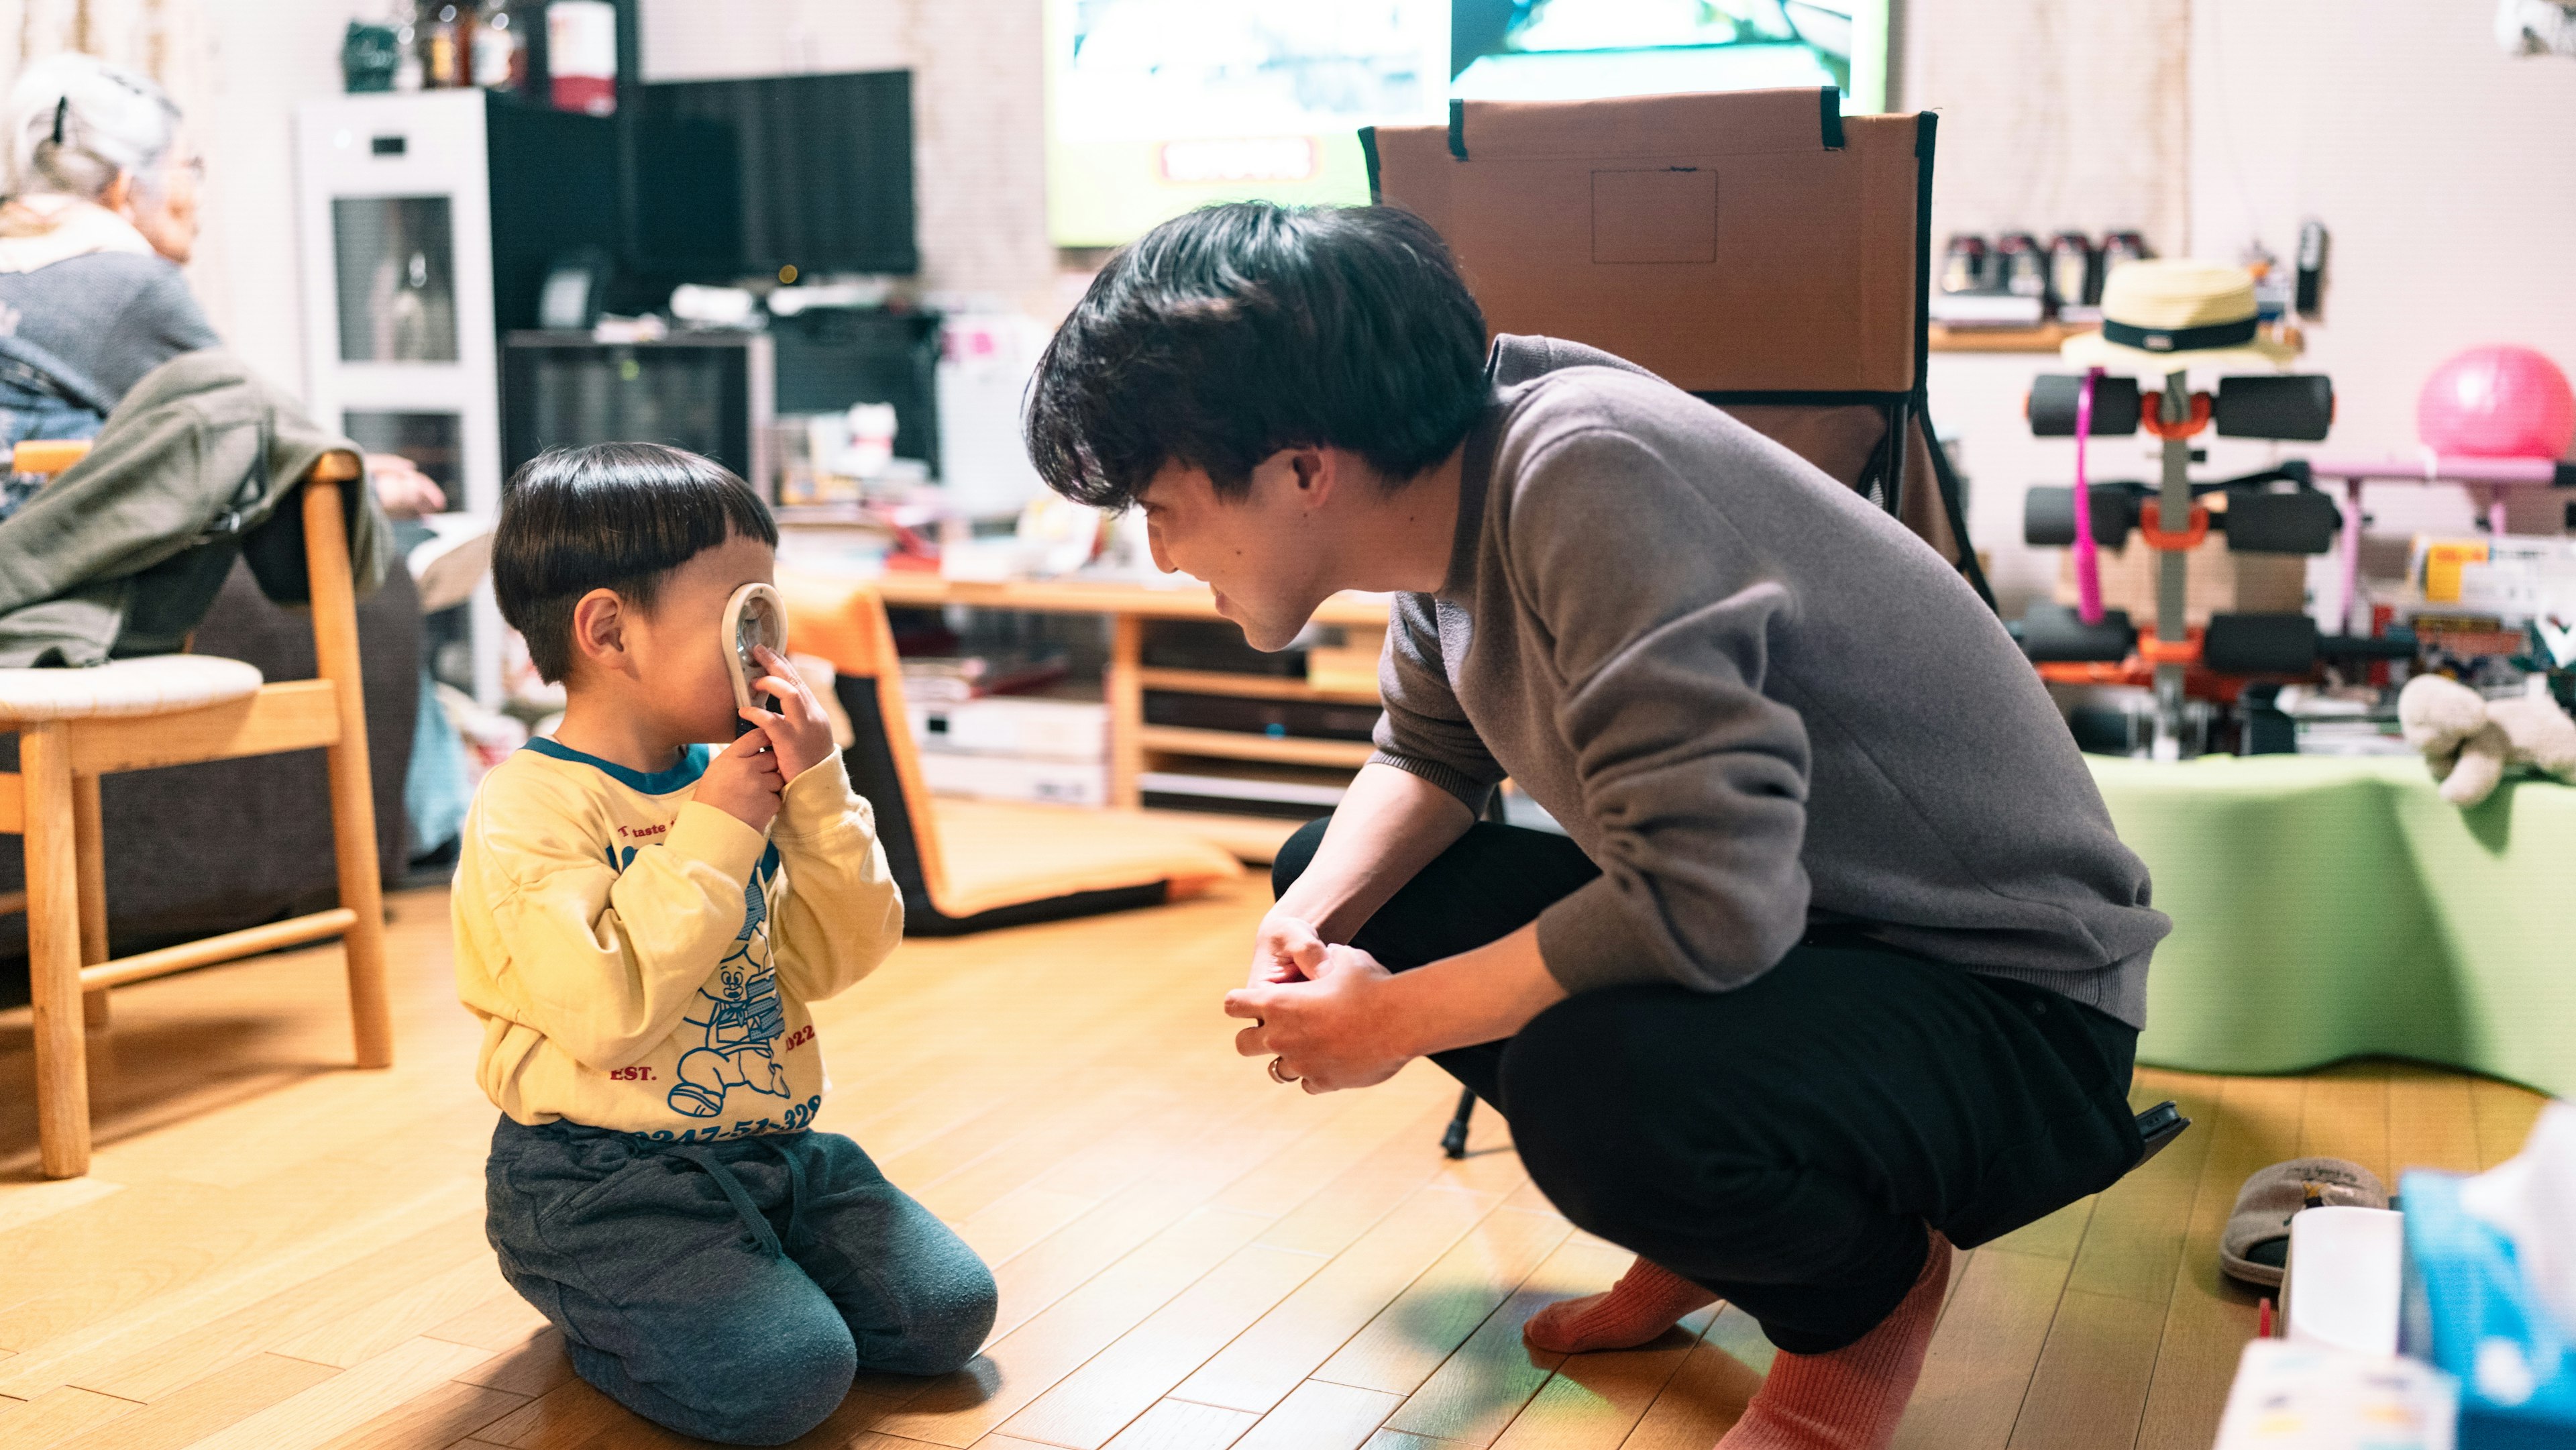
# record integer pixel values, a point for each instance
(744, 781)
(799, 733)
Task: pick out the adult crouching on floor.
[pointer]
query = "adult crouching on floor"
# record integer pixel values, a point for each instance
(1838, 962)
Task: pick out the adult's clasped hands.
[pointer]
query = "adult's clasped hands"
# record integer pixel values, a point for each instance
(1318, 1011)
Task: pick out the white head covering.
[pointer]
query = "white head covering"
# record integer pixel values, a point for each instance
(74, 121)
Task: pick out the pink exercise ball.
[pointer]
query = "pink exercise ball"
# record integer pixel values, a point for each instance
(2497, 402)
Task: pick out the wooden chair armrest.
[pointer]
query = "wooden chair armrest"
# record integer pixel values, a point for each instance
(48, 456)
(332, 467)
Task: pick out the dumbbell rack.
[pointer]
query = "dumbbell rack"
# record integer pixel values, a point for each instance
(2177, 664)
(2176, 417)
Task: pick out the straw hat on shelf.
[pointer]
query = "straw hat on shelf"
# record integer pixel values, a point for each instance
(2164, 315)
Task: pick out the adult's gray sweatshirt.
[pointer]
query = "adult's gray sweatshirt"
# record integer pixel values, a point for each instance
(1755, 701)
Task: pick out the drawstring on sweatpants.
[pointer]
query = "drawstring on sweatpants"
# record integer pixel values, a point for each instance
(749, 1212)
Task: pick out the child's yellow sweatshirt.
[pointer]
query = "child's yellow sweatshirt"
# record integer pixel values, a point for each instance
(641, 961)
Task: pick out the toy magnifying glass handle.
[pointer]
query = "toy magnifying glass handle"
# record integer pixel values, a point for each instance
(754, 617)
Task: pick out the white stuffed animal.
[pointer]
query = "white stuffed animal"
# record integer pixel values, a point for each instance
(2469, 740)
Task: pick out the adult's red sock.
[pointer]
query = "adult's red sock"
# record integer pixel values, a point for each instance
(1647, 1300)
(1852, 1397)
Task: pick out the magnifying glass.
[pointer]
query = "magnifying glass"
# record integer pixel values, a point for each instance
(753, 618)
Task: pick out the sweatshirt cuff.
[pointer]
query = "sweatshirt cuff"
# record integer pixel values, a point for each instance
(816, 800)
(703, 833)
(1590, 939)
(1457, 782)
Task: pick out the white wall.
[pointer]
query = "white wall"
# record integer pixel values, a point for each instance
(686, 40)
(262, 61)
(2054, 114)
(2444, 169)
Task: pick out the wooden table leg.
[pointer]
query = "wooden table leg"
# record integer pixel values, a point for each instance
(1126, 691)
(54, 948)
(89, 837)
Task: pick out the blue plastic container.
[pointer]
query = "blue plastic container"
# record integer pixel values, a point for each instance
(2469, 1311)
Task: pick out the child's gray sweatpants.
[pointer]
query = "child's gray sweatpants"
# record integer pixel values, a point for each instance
(730, 1290)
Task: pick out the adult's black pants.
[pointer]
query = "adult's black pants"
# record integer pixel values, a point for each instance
(1782, 1144)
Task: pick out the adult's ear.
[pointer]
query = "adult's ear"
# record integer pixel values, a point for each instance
(1315, 472)
(599, 629)
(119, 196)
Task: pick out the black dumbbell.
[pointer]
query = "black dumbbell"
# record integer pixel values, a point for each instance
(2297, 406)
(2055, 633)
(2259, 644)
(2053, 397)
(2289, 644)
(2398, 644)
(2281, 523)
(2048, 515)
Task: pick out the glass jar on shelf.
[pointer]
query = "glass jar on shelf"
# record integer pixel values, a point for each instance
(501, 47)
(445, 32)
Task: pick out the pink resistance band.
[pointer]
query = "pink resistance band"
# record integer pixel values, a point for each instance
(2088, 564)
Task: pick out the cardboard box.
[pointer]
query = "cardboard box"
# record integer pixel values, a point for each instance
(1759, 248)
(1741, 241)
(2216, 581)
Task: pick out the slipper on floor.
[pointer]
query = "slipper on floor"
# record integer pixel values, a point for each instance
(2256, 1246)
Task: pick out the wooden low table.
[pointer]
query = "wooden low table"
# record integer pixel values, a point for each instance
(1129, 604)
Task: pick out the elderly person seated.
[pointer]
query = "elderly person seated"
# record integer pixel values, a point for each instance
(101, 213)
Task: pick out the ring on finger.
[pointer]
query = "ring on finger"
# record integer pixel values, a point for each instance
(1278, 1076)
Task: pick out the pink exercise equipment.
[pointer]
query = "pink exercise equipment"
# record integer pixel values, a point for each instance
(2497, 402)
(2489, 482)
(2088, 563)
(2492, 420)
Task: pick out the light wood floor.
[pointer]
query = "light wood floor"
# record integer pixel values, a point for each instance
(277, 1253)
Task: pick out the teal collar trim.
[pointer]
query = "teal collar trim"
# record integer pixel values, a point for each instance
(693, 763)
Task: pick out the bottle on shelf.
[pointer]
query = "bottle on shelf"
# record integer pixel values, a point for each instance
(2073, 281)
(446, 44)
(501, 47)
(581, 56)
(409, 73)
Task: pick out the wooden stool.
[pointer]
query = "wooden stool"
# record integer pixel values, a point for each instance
(75, 725)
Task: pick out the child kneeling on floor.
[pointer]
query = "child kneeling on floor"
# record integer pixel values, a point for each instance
(640, 923)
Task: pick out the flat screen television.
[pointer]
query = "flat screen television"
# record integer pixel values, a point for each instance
(1158, 106)
(708, 392)
(813, 172)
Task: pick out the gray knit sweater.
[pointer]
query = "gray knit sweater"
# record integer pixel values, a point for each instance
(1755, 701)
(113, 316)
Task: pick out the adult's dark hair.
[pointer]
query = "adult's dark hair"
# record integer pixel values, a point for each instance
(610, 516)
(1231, 332)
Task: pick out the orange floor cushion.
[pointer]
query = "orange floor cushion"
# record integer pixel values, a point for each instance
(1000, 854)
